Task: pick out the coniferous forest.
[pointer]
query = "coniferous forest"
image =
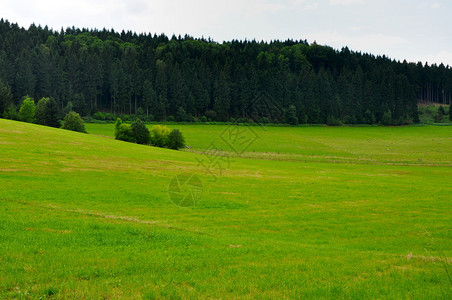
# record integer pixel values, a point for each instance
(186, 78)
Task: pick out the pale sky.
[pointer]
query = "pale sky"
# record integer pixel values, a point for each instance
(416, 30)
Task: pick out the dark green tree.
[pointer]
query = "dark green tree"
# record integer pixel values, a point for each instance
(52, 114)
(140, 132)
(47, 112)
(291, 115)
(149, 96)
(40, 113)
(387, 118)
(181, 115)
(6, 97)
(450, 112)
(176, 140)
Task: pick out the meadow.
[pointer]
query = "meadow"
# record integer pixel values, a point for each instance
(304, 212)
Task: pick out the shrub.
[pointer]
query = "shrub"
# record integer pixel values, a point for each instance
(140, 113)
(171, 119)
(242, 120)
(203, 119)
(125, 133)
(349, 120)
(211, 115)
(190, 118)
(73, 121)
(176, 140)
(117, 124)
(140, 132)
(11, 113)
(27, 110)
(159, 135)
(99, 116)
(332, 121)
(264, 120)
(109, 116)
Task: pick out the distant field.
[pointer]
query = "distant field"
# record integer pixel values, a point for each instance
(400, 145)
(324, 212)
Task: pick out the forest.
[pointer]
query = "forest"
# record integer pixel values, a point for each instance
(189, 79)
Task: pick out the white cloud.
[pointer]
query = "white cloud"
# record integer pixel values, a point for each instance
(345, 2)
(436, 5)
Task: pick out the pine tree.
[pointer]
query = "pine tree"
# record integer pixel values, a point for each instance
(5, 97)
(291, 116)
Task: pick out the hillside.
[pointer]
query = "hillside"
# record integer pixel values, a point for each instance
(86, 216)
(185, 78)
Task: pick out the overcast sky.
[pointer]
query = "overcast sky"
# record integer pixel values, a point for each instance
(416, 30)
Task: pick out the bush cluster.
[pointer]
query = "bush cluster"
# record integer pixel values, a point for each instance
(158, 135)
(73, 122)
(44, 113)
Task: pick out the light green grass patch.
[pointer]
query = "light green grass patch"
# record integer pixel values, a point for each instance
(304, 212)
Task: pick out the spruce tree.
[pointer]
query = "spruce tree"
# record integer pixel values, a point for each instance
(450, 112)
(5, 97)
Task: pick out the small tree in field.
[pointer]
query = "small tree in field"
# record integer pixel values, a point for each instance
(27, 110)
(73, 122)
(159, 136)
(176, 140)
(140, 132)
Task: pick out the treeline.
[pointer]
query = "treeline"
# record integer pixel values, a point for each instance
(187, 79)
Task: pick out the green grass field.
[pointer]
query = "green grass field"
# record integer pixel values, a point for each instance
(306, 212)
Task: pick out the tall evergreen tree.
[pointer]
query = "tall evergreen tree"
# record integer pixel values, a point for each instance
(5, 96)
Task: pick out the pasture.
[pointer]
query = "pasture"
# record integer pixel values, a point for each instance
(324, 212)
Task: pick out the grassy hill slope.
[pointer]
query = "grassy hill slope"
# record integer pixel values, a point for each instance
(85, 216)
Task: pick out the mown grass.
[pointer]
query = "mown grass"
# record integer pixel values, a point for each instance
(303, 212)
